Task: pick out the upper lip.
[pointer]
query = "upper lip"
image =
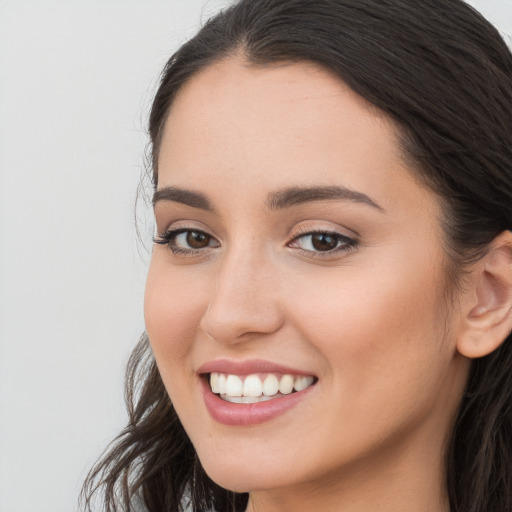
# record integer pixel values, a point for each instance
(247, 367)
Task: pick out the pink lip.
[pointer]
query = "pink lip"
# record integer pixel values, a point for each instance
(233, 414)
(247, 367)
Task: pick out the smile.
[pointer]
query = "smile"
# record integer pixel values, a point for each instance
(255, 388)
(252, 392)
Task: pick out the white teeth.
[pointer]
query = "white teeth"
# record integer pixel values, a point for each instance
(252, 386)
(214, 382)
(302, 382)
(246, 399)
(222, 384)
(286, 384)
(234, 385)
(270, 385)
(252, 389)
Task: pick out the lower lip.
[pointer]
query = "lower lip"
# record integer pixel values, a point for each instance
(234, 414)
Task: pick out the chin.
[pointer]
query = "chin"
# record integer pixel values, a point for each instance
(242, 479)
(246, 473)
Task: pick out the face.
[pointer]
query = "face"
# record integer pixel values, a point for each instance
(295, 248)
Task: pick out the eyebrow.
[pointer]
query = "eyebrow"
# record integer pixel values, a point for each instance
(284, 198)
(180, 195)
(299, 195)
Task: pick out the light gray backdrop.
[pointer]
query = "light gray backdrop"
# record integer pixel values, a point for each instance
(76, 81)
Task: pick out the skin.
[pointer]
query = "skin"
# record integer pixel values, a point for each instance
(372, 322)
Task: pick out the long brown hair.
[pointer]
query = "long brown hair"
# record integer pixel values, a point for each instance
(444, 75)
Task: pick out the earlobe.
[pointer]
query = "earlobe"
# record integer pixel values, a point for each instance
(487, 318)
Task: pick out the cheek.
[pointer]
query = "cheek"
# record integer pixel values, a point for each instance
(386, 360)
(358, 300)
(173, 307)
(377, 326)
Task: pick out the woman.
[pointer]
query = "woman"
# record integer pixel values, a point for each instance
(328, 305)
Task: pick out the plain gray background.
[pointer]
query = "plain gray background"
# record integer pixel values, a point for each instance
(76, 82)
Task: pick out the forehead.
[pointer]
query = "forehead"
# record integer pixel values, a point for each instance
(244, 125)
(294, 98)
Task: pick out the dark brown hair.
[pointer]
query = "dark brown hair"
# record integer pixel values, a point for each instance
(444, 75)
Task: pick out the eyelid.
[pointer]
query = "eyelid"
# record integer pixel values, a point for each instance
(183, 224)
(307, 228)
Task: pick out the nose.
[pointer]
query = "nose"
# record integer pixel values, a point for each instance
(244, 300)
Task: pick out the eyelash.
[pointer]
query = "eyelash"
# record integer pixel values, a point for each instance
(343, 243)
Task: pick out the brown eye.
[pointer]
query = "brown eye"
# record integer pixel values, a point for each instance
(186, 241)
(319, 242)
(324, 241)
(197, 239)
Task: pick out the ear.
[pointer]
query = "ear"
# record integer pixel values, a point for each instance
(487, 305)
